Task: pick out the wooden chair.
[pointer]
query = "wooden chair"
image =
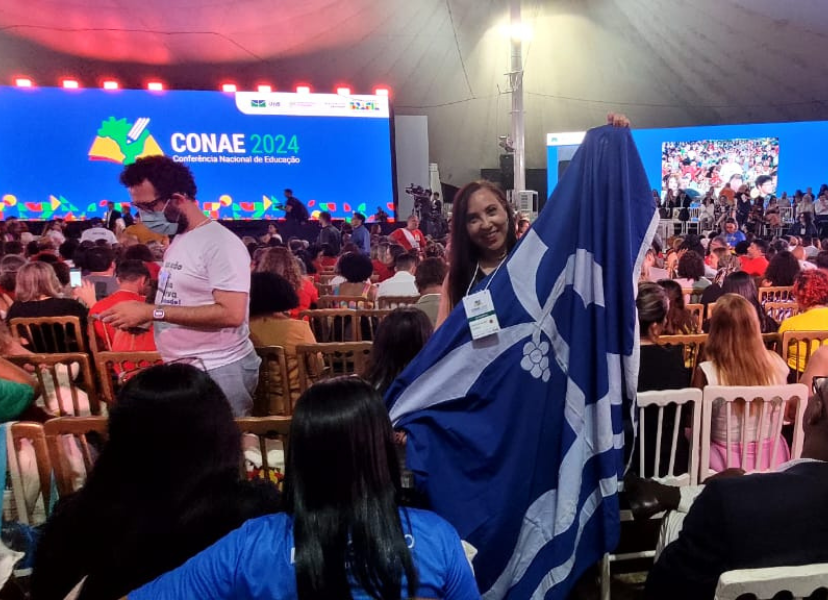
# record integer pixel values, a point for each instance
(65, 379)
(31, 433)
(697, 312)
(272, 396)
(324, 289)
(765, 584)
(344, 302)
(692, 399)
(348, 358)
(49, 334)
(78, 428)
(332, 324)
(262, 437)
(799, 346)
(773, 342)
(116, 368)
(396, 301)
(369, 319)
(325, 277)
(772, 403)
(693, 346)
(779, 311)
(776, 294)
(710, 308)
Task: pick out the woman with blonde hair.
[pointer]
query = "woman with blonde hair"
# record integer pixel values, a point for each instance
(737, 356)
(281, 261)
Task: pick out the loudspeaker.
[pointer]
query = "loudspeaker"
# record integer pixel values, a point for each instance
(507, 171)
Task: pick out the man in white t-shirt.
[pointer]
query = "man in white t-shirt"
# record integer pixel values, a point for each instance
(98, 232)
(402, 283)
(201, 307)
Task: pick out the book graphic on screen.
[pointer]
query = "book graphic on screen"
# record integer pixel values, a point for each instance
(122, 142)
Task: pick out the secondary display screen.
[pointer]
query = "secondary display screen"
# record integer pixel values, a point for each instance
(62, 150)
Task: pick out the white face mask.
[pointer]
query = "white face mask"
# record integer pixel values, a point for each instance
(155, 221)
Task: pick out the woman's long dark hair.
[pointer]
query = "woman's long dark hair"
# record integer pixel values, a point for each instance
(742, 284)
(400, 336)
(464, 252)
(342, 485)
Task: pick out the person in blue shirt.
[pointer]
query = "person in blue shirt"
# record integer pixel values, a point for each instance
(360, 235)
(343, 534)
(732, 233)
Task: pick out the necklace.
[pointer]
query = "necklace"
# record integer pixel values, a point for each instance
(208, 220)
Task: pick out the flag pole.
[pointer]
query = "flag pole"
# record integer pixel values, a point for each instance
(516, 81)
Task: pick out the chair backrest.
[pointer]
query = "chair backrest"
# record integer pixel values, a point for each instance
(772, 342)
(23, 433)
(757, 413)
(65, 380)
(272, 396)
(69, 434)
(799, 346)
(344, 302)
(325, 277)
(324, 289)
(265, 443)
(775, 294)
(396, 301)
(369, 319)
(693, 346)
(697, 312)
(116, 368)
(687, 397)
(331, 324)
(323, 361)
(779, 311)
(710, 308)
(764, 584)
(49, 334)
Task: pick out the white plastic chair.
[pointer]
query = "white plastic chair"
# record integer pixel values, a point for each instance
(801, 582)
(690, 398)
(773, 401)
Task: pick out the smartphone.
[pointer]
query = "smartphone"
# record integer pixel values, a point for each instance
(75, 277)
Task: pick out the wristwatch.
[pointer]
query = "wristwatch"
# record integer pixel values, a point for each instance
(158, 314)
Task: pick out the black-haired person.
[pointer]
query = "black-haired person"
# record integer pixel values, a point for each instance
(360, 234)
(165, 486)
(133, 279)
(329, 234)
(272, 298)
(400, 336)
(782, 270)
(402, 283)
(429, 278)
(294, 209)
(100, 262)
(200, 310)
(755, 263)
(356, 269)
(343, 533)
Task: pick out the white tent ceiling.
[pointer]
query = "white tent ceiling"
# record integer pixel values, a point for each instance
(663, 62)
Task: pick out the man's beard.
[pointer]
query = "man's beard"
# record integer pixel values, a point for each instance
(183, 223)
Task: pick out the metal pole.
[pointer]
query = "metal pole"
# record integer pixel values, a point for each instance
(516, 80)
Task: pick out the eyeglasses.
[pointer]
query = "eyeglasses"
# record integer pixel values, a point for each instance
(152, 203)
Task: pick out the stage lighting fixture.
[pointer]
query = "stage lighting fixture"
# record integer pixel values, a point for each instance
(23, 82)
(382, 92)
(155, 86)
(303, 89)
(228, 87)
(70, 84)
(109, 84)
(264, 89)
(343, 91)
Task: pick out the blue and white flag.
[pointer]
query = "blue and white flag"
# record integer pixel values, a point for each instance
(517, 438)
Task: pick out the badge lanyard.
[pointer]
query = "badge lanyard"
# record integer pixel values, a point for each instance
(480, 310)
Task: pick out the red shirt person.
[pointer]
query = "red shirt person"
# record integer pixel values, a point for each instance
(755, 262)
(132, 276)
(409, 237)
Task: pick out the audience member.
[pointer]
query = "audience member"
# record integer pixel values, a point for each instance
(400, 336)
(356, 268)
(202, 300)
(53, 230)
(732, 234)
(679, 320)
(329, 234)
(742, 284)
(272, 299)
(325, 259)
(409, 237)
(402, 283)
(429, 278)
(724, 264)
(281, 262)
(691, 275)
(359, 235)
(382, 261)
(804, 264)
(479, 247)
(133, 278)
(755, 263)
(98, 231)
(100, 262)
(736, 355)
(271, 236)
(144, 254)
(821, 261)
(748, 523)
(342, 533)
(166, 486)
(810, 291)
(782, 270)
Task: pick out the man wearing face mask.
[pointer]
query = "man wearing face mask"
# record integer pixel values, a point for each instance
(200, 311)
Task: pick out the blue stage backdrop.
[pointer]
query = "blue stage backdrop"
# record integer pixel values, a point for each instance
(61, 151)
(790, 153)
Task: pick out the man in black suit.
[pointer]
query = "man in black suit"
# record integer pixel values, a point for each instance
(111, 216)
(754, 521)
(294, 209)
